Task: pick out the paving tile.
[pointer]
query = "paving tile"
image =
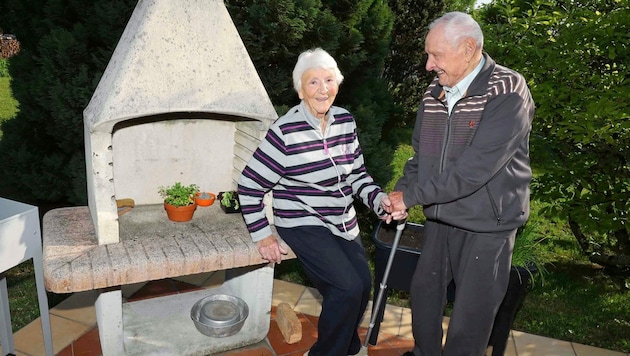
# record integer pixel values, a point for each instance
(586, 350)
(510, 348)
(78, 307)
(534, 345)
(30, 340)
(391, 319)
(309, 305)
(405, 330)
(74, 331)
(311, 293)
(367, 316)
(397, 342)
(445, 322)
(286, 292)
(259, 349)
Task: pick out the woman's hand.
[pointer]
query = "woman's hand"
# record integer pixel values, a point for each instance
(270, 249)
(392, 214)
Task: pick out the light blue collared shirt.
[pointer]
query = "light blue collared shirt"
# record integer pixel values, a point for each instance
(453, 94)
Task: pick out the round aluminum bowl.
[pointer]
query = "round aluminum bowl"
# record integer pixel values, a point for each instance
(219, 315)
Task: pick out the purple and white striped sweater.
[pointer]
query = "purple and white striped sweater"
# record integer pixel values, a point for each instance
(313, 177)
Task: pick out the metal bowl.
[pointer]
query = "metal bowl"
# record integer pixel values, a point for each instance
(219, 315)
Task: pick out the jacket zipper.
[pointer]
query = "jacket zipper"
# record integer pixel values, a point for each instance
(447, 138)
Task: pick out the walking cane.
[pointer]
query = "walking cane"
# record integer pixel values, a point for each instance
(375, 311)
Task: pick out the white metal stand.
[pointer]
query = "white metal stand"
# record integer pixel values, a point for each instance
(21, 240)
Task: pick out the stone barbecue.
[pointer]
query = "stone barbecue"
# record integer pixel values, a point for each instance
(180, 100)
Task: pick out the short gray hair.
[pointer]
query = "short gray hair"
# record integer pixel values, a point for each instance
(314, 58)
(458, 26)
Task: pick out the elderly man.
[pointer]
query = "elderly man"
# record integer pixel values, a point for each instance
(471, 173)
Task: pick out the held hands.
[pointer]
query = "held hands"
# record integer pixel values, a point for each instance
(392, 212)
(396, 199)
(270, 249)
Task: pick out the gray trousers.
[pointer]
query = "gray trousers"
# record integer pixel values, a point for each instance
(479, 264)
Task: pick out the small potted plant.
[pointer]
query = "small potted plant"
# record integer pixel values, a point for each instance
(179, 200)
(229, 202)
(204, 198)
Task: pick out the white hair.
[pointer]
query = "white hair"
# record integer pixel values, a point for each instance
(314, 58)
(458, 26)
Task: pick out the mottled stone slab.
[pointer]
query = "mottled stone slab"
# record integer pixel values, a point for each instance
(151, 247)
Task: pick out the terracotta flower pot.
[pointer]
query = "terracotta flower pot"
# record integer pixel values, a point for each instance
(206, 199)
(180, 213)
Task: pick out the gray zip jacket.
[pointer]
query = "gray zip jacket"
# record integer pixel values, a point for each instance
(471, 169)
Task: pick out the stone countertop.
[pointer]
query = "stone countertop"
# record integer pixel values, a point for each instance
(151, 247)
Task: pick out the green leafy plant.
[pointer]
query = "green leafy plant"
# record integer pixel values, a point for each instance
(528, 252)
(178, 194)
(229, 199)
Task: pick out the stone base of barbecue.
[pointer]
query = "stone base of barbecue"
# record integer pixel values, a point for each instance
(152, 247)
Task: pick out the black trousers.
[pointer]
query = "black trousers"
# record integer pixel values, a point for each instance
(339, 270)
(479, 264)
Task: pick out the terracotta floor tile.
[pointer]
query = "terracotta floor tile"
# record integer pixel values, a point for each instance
(183, 287)
(195, 279)
(309, 336)
(89, 344)
(153, 289)
(67, 351)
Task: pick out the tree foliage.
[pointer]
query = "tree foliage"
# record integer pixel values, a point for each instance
(65, 47)
(355, 32)
(575, 55)
(405, 68)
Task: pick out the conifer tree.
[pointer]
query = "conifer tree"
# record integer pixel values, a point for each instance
(355, 32)
(405, 68)
(65, 47)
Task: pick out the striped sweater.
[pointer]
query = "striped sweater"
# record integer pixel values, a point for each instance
(313, 177)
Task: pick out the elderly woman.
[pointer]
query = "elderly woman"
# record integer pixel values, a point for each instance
(312, 162)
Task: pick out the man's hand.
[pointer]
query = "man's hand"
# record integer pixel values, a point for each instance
(392, 214)
(270, 249)
(396, 199)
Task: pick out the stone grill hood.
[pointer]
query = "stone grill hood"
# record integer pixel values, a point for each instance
(180, 100)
